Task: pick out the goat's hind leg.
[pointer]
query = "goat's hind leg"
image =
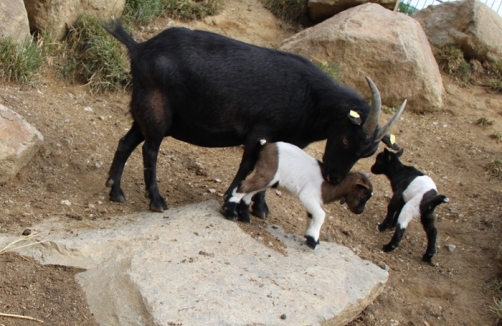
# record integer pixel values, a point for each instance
(127, 144)
(431, 231)
(260, 207)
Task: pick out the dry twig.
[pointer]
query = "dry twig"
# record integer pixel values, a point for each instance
(21, 317)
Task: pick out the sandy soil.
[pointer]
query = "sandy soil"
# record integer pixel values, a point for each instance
(79, 144)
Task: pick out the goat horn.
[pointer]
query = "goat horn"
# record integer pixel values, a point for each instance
(376, 107)
(391, 122)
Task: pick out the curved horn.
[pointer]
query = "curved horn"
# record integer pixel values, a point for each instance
(391, 122)
(376, 106)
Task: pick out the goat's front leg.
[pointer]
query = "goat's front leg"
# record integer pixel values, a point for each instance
(150, 152)
(316, 215)
(260, 207)
(249, 158)
(126, 145)
(409, 211)
(393, 211)
(431, 231)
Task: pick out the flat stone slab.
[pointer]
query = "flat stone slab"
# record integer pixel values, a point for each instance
(197, 268)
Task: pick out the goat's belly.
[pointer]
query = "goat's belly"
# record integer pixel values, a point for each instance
(207, 139)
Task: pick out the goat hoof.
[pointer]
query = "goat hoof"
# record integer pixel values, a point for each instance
(311, 242)
(245, 218)
(117, 196)
(260, 211)
(388, 248)
(382, 227)
(229, 210)
(428, 259)
(158, 206)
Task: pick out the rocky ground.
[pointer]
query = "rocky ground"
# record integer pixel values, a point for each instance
(66, 182)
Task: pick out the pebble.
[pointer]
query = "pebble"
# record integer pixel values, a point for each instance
(212, 191)
(451, 247)
(88, 109)
(283, 316)
(65, 202)
(26, 232)
(384, 266)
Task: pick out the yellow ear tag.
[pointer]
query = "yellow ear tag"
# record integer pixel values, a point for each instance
(354, 114)
(392, 139)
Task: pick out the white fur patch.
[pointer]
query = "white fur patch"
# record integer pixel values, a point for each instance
(412, 196)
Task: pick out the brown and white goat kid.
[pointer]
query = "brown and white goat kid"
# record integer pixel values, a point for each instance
(287, 166)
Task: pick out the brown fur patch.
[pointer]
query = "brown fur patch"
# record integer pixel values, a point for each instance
(265, 169)
(348, 188)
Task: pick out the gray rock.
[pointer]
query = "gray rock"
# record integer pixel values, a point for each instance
(19, 142)
(389, 47)
(470, 24)
(197, 268)
(14, 20)
(55, 16)
(320, 10)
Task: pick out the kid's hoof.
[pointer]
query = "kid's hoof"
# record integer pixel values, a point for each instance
(428, 259)
(229, 210)
(381, 227)
(311, 242)
(388, 248)
(260, 211)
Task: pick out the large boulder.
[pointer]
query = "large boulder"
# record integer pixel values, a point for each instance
(19, 142)
(14, 20)
(320, 10)
(470, 24)
(389, 47)
(54, 16)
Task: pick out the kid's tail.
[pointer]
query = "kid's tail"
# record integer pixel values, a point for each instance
(428, 206)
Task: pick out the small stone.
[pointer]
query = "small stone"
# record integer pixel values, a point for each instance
(88, 109)
(217, 180)
(384, 266)
(278, 193)
(98, 165)
(91, 206)
(451, 247)
(212, 191)
(26, 232)
(65, 202)
(283, 316)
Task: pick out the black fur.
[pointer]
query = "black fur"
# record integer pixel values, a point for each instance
(400, 177)
(213, 91)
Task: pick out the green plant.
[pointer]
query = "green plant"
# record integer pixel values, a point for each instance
(94, 57)
(288, 10)
(497, 136)
(388, 109)
(142, 12)
(494, 169)
(192, 9)
(406, 8)
(20, 63)
(484, 122)
(332, 70)
(450, 59)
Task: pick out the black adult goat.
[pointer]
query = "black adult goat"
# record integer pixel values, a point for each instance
(213, 91)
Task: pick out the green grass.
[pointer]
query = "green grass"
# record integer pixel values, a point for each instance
(332, 70)
(287, 10)
(20, 63)
(484, 122)
(496, 136)
(142, 12)
(494, 169)
(93, 57)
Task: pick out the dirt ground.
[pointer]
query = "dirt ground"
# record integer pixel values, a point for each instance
(81, 132)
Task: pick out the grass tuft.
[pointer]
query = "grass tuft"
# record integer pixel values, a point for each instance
(332, 70)
(20, 63)
(94, 57)
(287, 10)
(142, 12)
(494, 169)
(484, 122)
(496, 136)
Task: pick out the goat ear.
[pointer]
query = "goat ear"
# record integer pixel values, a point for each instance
(362, 185)
(342, 200)
(355, 118)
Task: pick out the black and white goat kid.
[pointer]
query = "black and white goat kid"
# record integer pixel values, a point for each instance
(288, 167)
(415, 194)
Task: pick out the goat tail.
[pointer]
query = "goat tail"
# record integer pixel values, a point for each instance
(115, 28)
(429, 206)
